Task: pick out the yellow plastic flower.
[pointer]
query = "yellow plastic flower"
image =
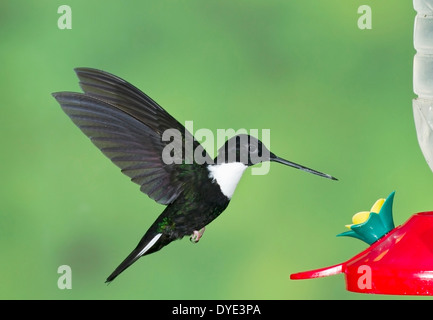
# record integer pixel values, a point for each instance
(369, 226)
(362, 216)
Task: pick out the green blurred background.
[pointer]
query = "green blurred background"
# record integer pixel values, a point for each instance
(336, 98)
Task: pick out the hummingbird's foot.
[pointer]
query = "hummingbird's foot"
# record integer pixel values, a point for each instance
(195, 237)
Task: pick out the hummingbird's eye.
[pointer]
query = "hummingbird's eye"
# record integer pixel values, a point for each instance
(252, 148)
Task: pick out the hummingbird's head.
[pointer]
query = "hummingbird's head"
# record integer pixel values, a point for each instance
(249, 150)
(243, 148)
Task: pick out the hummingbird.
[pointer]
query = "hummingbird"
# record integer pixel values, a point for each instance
(128, 127)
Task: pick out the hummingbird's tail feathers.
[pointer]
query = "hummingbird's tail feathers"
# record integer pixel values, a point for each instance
(142, 248)
(150, 244)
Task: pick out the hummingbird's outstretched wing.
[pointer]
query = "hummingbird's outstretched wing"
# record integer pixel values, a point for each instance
(127, 126)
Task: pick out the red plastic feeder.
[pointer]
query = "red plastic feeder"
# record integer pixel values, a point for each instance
(401, 262)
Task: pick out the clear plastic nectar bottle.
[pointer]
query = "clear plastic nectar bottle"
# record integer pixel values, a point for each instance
(423, 77)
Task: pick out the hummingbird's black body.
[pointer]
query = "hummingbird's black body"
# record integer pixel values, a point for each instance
(129, 128)
(191, 211)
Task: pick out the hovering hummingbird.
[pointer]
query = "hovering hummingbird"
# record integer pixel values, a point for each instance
(128, 127)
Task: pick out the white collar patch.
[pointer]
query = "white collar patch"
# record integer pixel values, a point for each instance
(227, 175)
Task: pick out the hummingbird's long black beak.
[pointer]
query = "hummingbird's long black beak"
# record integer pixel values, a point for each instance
(274, 158)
